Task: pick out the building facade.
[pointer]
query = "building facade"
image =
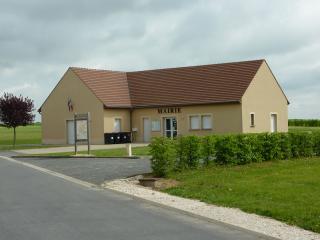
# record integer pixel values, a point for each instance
(241, 97)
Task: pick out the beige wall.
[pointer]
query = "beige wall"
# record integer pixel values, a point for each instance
(264, 97)
(226, 119)
(111, 114)
(55, 112)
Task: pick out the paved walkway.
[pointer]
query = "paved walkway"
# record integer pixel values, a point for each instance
(80, 148)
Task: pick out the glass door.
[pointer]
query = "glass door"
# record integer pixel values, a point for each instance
(170, 127)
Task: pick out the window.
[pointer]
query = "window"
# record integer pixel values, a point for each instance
(117, 125)
(206, 122)
(194, 122)
(252, 118)
(155, 126)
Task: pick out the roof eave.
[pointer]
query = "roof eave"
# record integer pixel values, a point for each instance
(172, 105)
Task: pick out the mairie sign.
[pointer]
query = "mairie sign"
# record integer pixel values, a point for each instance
(169, 110)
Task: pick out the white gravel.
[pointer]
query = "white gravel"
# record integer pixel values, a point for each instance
(231, 216)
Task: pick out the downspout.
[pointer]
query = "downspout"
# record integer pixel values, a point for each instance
(131, 124)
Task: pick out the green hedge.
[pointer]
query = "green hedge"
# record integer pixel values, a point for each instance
(188, 152)
(163, 156)
(304, 122)
(316, 143)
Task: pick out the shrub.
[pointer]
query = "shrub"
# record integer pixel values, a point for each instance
(270, 146)
(316, 143)
(227, 149)
(193, 151)
(285, 146)
(249, 148)
(181, 161)
(208, 149)
(294, 142)
(244, 151)
(301, 144)
(188, 150)
(306, 145)
(257, 148)
(163, 156)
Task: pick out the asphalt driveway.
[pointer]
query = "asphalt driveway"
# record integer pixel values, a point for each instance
(93, 170)
(36, 206)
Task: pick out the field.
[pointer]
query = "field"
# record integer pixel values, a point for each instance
(284, 190)
(303, 129)
(26, 137)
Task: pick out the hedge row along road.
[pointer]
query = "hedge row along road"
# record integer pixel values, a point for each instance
(190, 152)
(275, 175)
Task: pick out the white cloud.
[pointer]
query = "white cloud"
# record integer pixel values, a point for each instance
(18, 89)
(39, 40)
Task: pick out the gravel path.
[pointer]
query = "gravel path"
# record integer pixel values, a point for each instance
(231, 216)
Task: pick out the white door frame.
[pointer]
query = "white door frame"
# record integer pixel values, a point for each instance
(171, 127)
(273, 122)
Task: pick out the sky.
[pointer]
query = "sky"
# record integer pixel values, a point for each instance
(40, 39)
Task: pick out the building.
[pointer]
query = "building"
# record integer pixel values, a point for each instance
(239, 97)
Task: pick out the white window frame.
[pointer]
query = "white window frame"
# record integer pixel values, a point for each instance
(211, 121)
(254, 119)
(156, 128)
(190, 123)
(114, 124)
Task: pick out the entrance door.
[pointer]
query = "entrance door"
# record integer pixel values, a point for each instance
(274, 123)
(170, 127)
(70, 131)
(146, 129)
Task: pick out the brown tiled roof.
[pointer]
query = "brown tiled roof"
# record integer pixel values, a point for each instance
(214, 83)
(111, 87)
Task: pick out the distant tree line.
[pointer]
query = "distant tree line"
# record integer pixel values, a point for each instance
(304, 122)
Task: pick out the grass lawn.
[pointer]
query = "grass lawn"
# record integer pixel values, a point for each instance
(119, 152)
(26, 136)
(285, 190)
(303, 129)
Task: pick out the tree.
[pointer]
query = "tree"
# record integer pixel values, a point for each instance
(16, 111)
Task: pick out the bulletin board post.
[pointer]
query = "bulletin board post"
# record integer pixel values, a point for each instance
(81, 130)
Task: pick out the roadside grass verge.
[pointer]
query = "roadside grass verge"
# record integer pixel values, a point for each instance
(117, 152)
(288, 191)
